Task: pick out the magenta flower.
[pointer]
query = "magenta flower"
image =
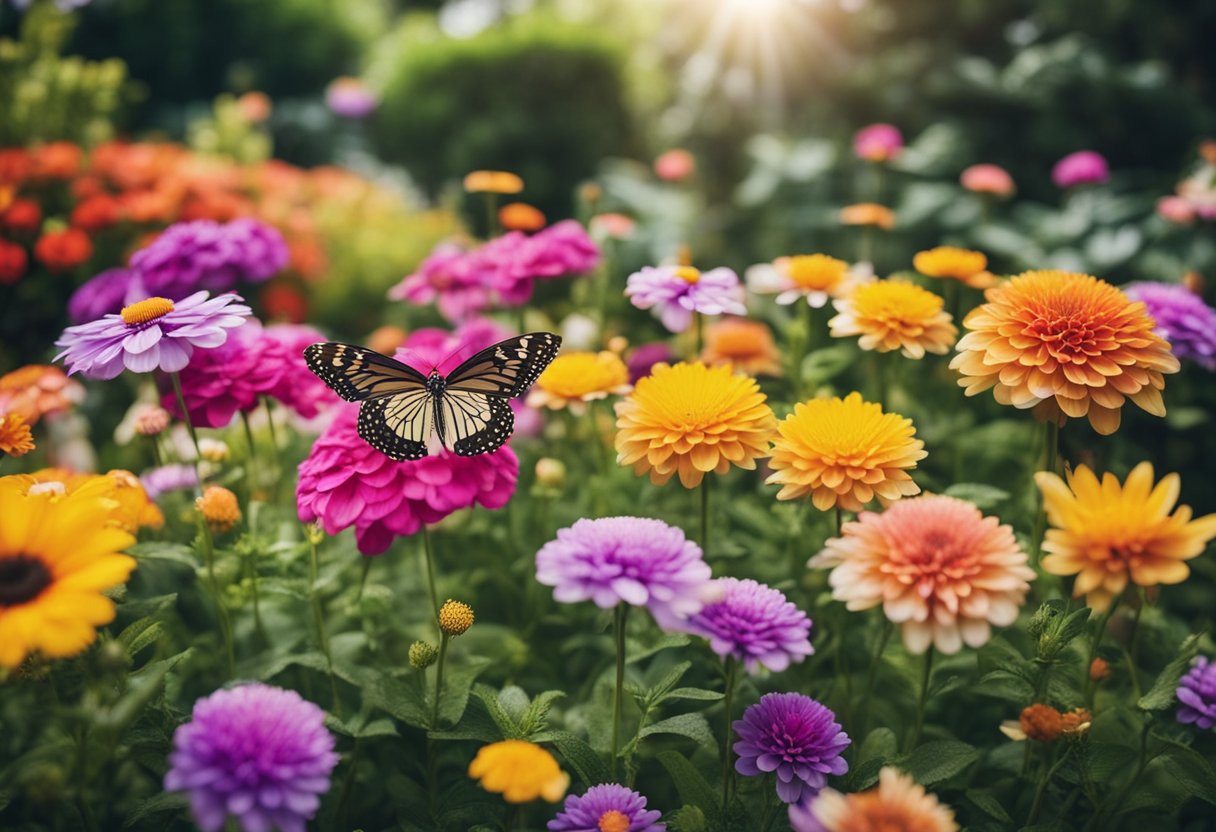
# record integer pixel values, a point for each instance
(1197, 695)
(644, 356)
(794, 736)
(607, 807)
(153, 334)
(441, 349)
(257, 753)
(1085, 167)
(676, 292)
(878, 142)
(261, 251)
(755, 624)
(345, 482)
(1182, 318)
(218, 383)
(635, 560)
(298, 389)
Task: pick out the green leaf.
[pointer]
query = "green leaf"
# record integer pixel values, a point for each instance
(359, 727)
(476, 724)
(692, 726)
(880, 744)
(1002, 684)
(1161, 695)
(160, 550)
(514, 700)
(492, 700)
(456, 686)
(1190, 770)
(936, 761)
(537, 715)
(690, 785)
(140, 634)
(865, 774)
(989, 805)
(1104, 760)
(397, 697)
(586, 763)
(163, 802)
(985, 497)
(699, 694)
(1070, 626)
(638, 650)
(659, 691)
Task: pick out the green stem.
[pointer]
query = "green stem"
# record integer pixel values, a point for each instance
(253, 457)
(1049, 771)
(318, 619)
(1093, 651)
(443, 655)
(429, 556)
(492, 217)
(367, 567)
(1130, 652)
(618, 693)
(924, 698)
(872, 676)
(208, 545)
(594, 437)
(704, 489)
(839, 520)
(728, 770)
(181, 403)
(699, 328)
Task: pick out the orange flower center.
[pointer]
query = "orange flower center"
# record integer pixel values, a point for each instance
(816, 271)
(688, 274)
(146, 311)
(613, 821)
(1071, 338)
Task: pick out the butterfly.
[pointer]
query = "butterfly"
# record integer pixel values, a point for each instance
(402, 409)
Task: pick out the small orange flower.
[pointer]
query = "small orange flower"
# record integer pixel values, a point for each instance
(868, 213)
(575, 378)
(520, 771)
(894, 315)
(1066, 345)
(15, 436)
(612, 225)
(1042, 722)
(1076, 721)
(38, 390)
(16, 164)
(96, 213)
(57, 160)
(493, 182)
(1099, 669)
(23, 216)
(255, 106)
(63, 250)
(520, 216)
(219, 508)
(897, 804)
(747, 346)
(386, 339)
(967, 267)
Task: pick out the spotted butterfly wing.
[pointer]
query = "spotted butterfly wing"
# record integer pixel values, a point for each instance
(356, 373)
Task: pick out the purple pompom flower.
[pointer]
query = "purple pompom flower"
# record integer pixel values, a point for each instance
(642, 562)
(256, 752)
(204, 254)
(1182, 318)
(152, 334)
(1085, 167)
(261, 250)
(755, 624)
(105, 294)
(794, 736)
(607, 807)
(676, 292)
(1197, 694)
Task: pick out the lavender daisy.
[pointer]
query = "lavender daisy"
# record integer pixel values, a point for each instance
(155, 333)
(755, 624)
(256, 752)
(1197, 694)
(1182, 318)
(794, 736)
(642, 562)
(607, 808)
(679, 291)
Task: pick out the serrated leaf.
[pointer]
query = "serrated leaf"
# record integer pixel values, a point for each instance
(669, 681)
(492, 701)
(988, 804)
(514, 700)
(475, 724)
(359, 727)
(140, 634)
(1161, 695)
(1070, 626)
(396, 697)
(586, 763)
(940, 760)
(692, 726)
(538, 711)
(163, 802)
(690, 785)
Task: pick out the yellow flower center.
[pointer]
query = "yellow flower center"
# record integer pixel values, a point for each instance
(146, 311)
(688, 274)
(816, 271)
(577, 374)
(892, 300)
(613, 821)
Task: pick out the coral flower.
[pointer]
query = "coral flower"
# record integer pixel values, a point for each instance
(844, 452)
(607, 808)
(967, 267)
(894, 315)
(13, 262)
(575, 378)
(941, 570)
(23, 216)
(676, 292)
(692, 419)
(520, 216)
(747, 346)
(1107, 534)
(520, 771)
(795, 737)
(987, 179)
(493, 182)
(1067, 345)
(612, 226)
(814, 277)
(878, 143)
(15, 436)
(868, 213)
(57, 160)
(58, 554)
(63, 250)
(96, 213)
(38, 390)
(675, 164)
(897, 803)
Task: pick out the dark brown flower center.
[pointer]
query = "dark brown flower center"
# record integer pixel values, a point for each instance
(22, 579)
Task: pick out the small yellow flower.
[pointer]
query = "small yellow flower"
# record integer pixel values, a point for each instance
(868, 213)
(520, 771)
(15, 436)
(132, 508)
(966, 266)
(455, 618)
(575, 378)
(894, 315)
(691, 419)
(219, 508)
(493, 182)
(844, 452)
(1108, 534)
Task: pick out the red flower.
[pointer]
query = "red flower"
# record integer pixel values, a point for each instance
(284, 302)
(96, 213)
(15, 165)
(13, 261)
(23, 215)
(57, 160)
(63, 250)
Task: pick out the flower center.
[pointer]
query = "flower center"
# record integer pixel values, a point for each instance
(146, 311)
(816, 271)
(22, 579)
(613, 821)
(688, 274)
(1067, 338)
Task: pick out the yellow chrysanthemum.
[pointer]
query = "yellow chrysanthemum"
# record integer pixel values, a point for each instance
(219, 508)
(868, 213)
(132, 508)
(961, 264)
(747, 346)
(692, 419)
(15, 436)
(894, 315)
(58, 553)
(520, 771)
(1107, 534)
(575, 378)
(493, 182)
(844, 452)
(1067, 345)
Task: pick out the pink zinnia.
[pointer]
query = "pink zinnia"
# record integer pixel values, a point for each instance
(220, 382)
(939, 568)
(1085, 167)
(987, 179)
(878, 142)
(447, 277)
(298, 388)
(674, 165)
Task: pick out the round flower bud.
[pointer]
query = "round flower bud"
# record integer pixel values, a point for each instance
(219, 508)
(151, 421)
(1099, 669)
(1042, 722)
(422, 655)
(455, 618)
(550, 472)
(213, 450)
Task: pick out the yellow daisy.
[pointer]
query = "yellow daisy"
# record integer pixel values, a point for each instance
(575, 378)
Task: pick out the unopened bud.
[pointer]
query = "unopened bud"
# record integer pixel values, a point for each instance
(422, 655)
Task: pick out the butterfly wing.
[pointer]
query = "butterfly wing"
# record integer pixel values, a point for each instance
(357, 374)
(472, 423)
(508, 368)
(398, 426)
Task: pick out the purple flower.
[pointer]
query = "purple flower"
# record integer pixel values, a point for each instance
(1085, 167)
(261, 250)
(639, 561)
(679, 291)
(204, 254)
(105, 294)
(348, 97)
(1182, 318)
(606, 807)
(176, 477)
(755, 624)
(256, 752)
(644, 356)
(794, 736)
(155, 333)
(1197, 694)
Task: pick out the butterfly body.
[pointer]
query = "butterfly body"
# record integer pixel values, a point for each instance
(407, 415)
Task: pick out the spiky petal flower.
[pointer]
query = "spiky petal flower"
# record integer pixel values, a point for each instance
(16, 439)
(1197, 695)
(941, 571)
(894, 315)
(691, 419)
(257, 753)
(607, 808)
(844, 452)
(755, 624)
(897, 803)
(1108, 534)
(676, 292)
(794, 736)
(1067, 345)
(1182, 318)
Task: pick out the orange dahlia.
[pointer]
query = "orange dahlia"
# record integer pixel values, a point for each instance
(897, 803)
(493, 182)
(520, 216)
(966, 266)
(844, 452)
(1066, 345)
(1107, 534)
(15, 436)
(38, 390)
(894, 315)
(692, 419)
(941, 570)
(575, 378)
(747, 346)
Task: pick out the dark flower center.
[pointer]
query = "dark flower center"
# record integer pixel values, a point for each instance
(22, 579)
